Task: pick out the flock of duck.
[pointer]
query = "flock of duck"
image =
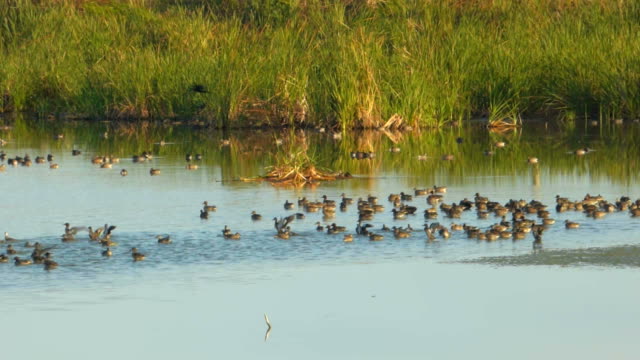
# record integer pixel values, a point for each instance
(43, 255)
(516, 228)
(105, 161)
(26, 161)
(515, 219)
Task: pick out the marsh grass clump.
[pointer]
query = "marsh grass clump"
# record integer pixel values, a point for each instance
(504, 124)
(293, 165)
(296, 169)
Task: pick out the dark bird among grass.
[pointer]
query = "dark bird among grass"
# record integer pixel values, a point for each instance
(199, 88)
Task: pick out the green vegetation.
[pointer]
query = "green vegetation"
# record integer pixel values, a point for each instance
(349, 63)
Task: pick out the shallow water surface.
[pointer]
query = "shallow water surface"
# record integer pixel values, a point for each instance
(404, 298)
(405, 310)
(618, 256)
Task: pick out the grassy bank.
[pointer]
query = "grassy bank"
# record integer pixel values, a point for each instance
(342, 63)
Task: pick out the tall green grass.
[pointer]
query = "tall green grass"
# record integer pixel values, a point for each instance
(345, 64)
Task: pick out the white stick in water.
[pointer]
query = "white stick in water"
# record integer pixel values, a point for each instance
(266, 318)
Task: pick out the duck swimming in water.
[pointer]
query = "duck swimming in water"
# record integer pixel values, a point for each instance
(68, 237)
(207, 207)
(107, 242)
(11, 250)
(537, 242)
(288, 205)
(163, 239)
(137, 256)
(375, 237)
(282, 223)
(400, 233)
(95, 235)
(255, 216)
(571, 225)
(49, 264)
(21, 262)
(231, 236)
(68, 229)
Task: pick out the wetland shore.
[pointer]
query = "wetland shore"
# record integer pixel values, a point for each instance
(344, 64)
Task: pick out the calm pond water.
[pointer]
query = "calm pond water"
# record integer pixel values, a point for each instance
(205, 296)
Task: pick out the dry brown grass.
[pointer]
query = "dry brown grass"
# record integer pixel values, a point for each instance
(295, 167)
(506, 123)
(297, 176)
